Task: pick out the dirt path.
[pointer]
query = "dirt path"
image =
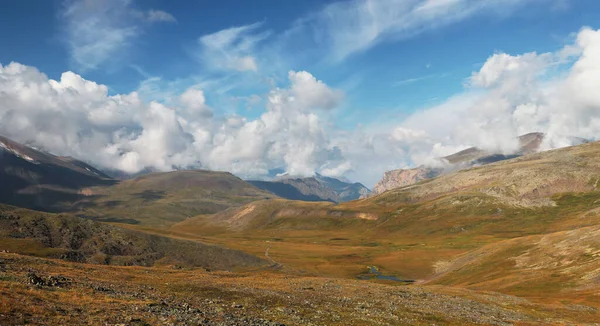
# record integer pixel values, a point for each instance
(275, 264)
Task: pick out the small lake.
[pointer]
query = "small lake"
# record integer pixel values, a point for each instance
(375, 274)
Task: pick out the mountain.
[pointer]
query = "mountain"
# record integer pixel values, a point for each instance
(317, 188)
(34, 179)
(528, 144)
(164, 198)
(345, 189)
(37, 180)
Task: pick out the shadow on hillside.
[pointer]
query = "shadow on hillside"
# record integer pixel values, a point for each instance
(150, 195)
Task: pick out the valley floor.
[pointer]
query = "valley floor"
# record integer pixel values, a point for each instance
(54, 292)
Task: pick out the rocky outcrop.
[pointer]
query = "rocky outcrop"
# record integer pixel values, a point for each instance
(528, 144)
(404, 177)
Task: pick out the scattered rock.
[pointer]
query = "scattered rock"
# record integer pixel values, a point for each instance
(50, 281)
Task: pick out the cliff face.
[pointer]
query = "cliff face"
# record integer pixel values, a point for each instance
(528, 144)
(404, 177)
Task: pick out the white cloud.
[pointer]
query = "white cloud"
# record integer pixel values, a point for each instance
(509, 96)
(232, 48)
(337, 171)
(160, 16)
(506, 70)
(310, 93)
(76, 117)
(100, 31)
(193, 99)
(349, 27)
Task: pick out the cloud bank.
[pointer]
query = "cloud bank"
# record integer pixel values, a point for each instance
(77, 117)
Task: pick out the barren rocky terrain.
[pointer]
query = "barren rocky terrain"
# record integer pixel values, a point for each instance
(69, 293)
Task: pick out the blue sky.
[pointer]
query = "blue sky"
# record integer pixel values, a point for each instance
(394, 77)
(388, 59)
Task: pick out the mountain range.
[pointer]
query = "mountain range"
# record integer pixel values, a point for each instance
(317, 188)
(494, 239)
(39, 180)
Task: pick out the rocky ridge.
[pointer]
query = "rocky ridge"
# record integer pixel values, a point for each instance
(528, 144)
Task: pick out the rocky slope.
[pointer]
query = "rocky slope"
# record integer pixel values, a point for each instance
(527, 181)
(79, 240)
(404, 177)
(529, 143)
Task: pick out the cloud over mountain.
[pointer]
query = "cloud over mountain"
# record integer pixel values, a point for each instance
(555, 93)
(77, 117)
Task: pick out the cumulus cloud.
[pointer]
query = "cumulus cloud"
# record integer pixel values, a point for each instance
(232, 48)
(76, 117)
(193, 99)
(309, 93)
(348, 27)
(96, 31)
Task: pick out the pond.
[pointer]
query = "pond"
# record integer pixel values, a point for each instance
(374, 273)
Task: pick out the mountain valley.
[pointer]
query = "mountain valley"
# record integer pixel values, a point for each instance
(510, 242)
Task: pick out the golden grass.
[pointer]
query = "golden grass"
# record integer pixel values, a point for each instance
(114, 295)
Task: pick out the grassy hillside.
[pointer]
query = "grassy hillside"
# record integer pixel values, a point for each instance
(162, 199)
(74, 239)
(565, 262)
(527, 181)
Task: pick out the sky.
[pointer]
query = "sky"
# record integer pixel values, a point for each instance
(343, 88)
